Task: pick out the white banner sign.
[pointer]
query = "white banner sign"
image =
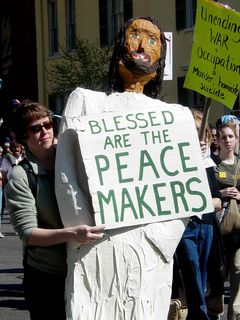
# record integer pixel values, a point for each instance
(143, 165)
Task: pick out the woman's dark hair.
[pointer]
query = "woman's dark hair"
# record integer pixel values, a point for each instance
(115, 83)
(23, 115)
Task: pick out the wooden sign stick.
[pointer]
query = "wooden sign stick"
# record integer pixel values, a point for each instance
(205, 118)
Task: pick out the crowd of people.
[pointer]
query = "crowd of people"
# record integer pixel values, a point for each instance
(204, 258)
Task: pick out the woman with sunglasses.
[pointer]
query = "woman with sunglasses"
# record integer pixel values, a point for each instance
(36, 219)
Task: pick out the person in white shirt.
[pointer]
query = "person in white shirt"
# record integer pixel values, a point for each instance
(11, 159)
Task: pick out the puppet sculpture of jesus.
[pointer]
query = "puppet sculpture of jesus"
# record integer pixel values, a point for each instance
(127, 274)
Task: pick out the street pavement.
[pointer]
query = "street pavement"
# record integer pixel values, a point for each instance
(12, 305)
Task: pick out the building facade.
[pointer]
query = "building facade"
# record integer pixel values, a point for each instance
(55, 24)
(18, 62)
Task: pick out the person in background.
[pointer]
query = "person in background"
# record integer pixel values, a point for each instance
(7, 146)
(234, 120)
(195, 246)
(214, 145)
(13, 154)
(1, 194)
(11, 158)
(1, 155)
(36, 218)
(7, 153)
(225, 170)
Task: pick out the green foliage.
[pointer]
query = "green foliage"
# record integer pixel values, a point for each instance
(86, 67)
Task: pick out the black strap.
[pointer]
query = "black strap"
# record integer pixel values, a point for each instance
(32, 178)
(32, 181)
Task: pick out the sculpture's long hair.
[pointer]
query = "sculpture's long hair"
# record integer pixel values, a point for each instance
(115, 83)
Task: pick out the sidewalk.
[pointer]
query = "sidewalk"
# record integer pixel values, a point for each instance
(12, 305)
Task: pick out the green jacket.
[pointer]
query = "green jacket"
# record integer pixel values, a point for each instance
(27, 213)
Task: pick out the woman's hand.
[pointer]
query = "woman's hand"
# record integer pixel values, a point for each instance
(85, 234)
(82, 233)
(231, 192)
(217, 203)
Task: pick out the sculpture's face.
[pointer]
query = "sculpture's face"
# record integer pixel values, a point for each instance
(142, 47)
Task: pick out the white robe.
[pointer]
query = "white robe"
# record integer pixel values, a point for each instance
(127, 274)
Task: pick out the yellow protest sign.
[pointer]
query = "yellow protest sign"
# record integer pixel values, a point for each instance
(214, 70)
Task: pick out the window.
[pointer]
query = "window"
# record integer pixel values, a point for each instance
(185, 13)
(117, 19)
(5, 46)
(70, 24)
(112, 14)
(53, 27)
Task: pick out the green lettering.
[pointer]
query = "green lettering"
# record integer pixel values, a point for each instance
(120, 167)
(167, 117)
(104, 166)
(94, 124)
(127, 203)
(143, 120)
(197, 193)
(162, 162)
(158, 198)
(108, 142)
(128, 117)
(110, 198)
(141, 203)
(148, 162)
(152, 116)
(115, 119)
(180, 194)
(185, 158)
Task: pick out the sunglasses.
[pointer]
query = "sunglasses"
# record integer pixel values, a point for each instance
(38, 127)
